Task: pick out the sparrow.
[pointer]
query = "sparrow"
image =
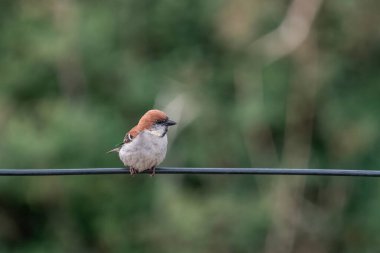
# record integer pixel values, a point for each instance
(144, 146)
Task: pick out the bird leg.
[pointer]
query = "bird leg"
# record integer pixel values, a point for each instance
(132, 171)
(153, 169)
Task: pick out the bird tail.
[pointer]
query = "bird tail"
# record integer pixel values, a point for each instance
(116, 149)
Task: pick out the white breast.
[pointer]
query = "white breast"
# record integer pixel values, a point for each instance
(147, 150)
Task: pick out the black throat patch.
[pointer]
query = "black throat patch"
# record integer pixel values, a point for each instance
(166, 130)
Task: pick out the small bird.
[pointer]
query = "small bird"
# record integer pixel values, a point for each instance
(144, 146)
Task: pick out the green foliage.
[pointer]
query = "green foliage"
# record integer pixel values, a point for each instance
(76, 75)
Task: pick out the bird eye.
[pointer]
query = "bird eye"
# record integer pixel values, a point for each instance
(130, 137)
(160, 121)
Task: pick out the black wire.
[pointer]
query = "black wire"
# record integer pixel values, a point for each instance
(257, 171)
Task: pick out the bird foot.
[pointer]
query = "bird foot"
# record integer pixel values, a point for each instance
(153, 169)
(133, 171)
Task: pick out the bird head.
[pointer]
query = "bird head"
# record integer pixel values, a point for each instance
(156, 122)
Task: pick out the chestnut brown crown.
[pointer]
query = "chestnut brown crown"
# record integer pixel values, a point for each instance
(151, 117)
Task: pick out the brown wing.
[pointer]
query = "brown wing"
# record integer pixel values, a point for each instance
(127, 138)
(131, 135)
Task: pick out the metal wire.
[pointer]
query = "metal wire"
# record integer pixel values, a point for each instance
(209, 171)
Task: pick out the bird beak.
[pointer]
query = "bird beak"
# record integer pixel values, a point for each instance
(170, 123)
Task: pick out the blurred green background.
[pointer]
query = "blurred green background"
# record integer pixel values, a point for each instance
(252, 84)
